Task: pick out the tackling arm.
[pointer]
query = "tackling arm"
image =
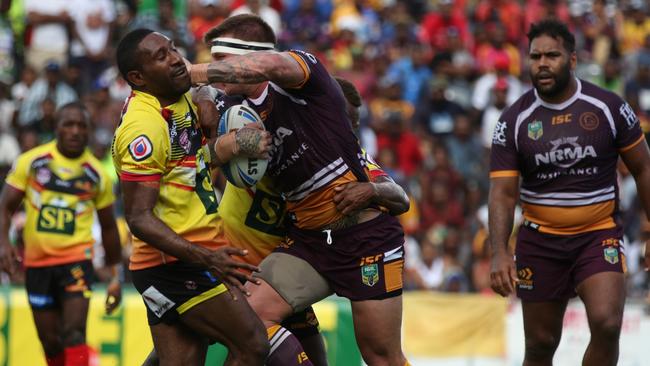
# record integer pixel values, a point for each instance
(256, 67)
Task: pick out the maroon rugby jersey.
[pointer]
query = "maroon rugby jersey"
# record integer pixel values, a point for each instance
(566, 155)
(314, 147)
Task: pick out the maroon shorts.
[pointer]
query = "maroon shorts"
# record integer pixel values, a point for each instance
(550, 267)
(363, 262)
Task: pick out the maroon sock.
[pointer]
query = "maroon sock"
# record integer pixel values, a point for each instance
(58, 360)
(285, 349)
(77, 355)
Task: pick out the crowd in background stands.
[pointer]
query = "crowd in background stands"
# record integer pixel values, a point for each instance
(434, 76)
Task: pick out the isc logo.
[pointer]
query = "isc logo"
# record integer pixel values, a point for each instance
(560, 119)
(370, 260)
(56, 220)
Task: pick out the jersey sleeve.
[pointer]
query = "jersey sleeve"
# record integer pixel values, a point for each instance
(503, 155)
(374, 169)
(628, 128)
(19, 173)
(141, 150)
(316, 78)
(106, 196)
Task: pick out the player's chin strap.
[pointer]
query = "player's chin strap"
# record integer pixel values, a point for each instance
(236, 46)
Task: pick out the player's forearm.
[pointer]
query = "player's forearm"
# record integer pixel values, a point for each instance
(111, 244)
(154, 232)
(250, 69)
(9, 202)
(390, 195)
(5, 222)
(501, 216)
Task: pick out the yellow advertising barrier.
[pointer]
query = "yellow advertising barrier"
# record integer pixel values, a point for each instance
(452, 325)
(435, 326)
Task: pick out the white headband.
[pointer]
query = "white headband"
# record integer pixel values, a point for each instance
(236, 46)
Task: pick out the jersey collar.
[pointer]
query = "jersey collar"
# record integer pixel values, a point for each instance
(564, 104)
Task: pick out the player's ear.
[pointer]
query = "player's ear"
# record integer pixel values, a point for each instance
(135, 78)
(573, 59)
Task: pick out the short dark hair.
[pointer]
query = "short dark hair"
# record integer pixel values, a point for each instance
(72, 105)
(247, 27)
(127, 51)
(554, 29)
(350, 92)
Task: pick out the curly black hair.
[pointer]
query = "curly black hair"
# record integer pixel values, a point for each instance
(554, 29)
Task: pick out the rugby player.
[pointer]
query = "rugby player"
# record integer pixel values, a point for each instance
(556, 151)
(62, 185)
(180, 263)
(358, 255)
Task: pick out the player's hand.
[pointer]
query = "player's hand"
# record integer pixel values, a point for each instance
(198, 72)
(208, 117)
(8, 258)
(253, 141)
(113, 296)
(503, 276)
(222, 265)
(353, 196)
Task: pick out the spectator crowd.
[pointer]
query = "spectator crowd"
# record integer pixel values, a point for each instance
(434, 76)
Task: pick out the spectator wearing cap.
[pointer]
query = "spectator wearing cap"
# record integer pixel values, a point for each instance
(49, 21)
(636, 27)
(484, 84)
(435, 114)
(104, 111)
(492, 113)
(50, 86)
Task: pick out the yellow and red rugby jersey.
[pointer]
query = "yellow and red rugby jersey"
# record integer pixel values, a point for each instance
(166, 145)
(61, 195)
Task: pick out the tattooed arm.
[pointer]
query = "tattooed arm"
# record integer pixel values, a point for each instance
(249, 141)
(278, 67)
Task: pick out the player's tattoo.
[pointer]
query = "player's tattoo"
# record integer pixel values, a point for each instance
(248, 140)
(255, 68)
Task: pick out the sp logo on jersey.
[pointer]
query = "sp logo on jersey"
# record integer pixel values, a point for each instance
(140, 148)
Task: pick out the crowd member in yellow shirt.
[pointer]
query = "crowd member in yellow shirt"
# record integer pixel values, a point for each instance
(61, 184)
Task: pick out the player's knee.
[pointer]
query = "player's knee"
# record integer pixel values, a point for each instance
(541, 346)
(74, 337)
(607, 326)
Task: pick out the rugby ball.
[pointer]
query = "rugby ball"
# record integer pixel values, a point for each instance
(241, 171)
